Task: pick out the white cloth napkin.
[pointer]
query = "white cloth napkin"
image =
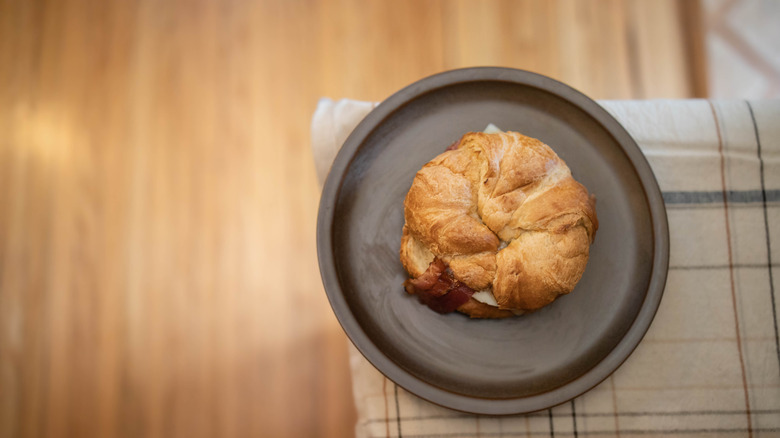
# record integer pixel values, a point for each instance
(710, 363)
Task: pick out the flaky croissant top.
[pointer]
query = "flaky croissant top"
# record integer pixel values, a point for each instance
(504, 214)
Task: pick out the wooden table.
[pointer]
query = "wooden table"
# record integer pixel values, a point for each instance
(158, 274)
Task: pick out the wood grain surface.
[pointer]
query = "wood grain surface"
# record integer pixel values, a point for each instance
(158, 272)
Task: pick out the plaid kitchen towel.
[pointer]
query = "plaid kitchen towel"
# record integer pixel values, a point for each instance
(710, 363)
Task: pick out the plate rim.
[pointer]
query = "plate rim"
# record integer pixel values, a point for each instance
(441, 396)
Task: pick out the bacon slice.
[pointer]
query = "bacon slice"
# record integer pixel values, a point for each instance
(437, 289)
(430, 277)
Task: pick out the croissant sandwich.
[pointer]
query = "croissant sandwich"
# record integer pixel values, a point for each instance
(495, 226)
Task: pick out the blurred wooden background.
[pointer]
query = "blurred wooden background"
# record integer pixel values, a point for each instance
(158, 273)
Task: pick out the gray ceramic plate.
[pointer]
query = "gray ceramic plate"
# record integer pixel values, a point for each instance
(504, 366)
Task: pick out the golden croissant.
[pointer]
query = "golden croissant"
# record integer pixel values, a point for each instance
(495, 226)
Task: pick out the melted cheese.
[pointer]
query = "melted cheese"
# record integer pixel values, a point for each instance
(492, 129)
(485, 296)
